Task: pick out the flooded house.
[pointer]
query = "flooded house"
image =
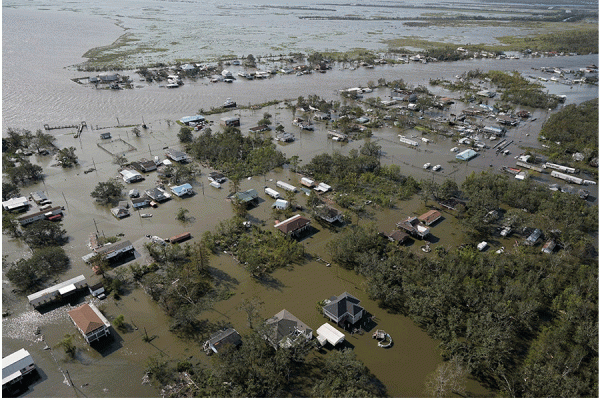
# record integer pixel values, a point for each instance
(144, 165)
(533, 238)
(216, 177)
(192, 120)
(284, 329)
(230, 121)
(57, 292)
(16, 204)
(328, 213)
(130, 176)
(15, 366)
(466, 155)
(345, 310)
(249, 196)
(293, 226)
(39, 215)
(120, 212)
(38, 197)
(90, 322)
(140, 202)
(225, 338)
(281, 204)
(116, 250)
(157, 194)
(430, 217)
(413, 227)
(176, 155)
(182, 190)
(397, 236)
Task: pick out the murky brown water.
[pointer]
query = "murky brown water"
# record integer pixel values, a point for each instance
(49, 97)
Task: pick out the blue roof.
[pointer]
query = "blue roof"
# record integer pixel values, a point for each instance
(466, 155)
(194, 118)
(181, 188)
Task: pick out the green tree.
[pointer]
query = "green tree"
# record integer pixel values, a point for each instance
(108, 192)
(119, 323)
(44, 233)
(185, 135)
(182, 214)
(66, 157)
(181, 173)
(10, 225)
(42, 140)
(9, 190)
(67, 345)
(44, 263)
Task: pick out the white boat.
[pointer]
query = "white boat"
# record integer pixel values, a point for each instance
(426, 165)
(454, 149)
(146, 215)
(437, 167)
(215, 185)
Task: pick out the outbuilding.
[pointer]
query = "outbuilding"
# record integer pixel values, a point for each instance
(328, 334)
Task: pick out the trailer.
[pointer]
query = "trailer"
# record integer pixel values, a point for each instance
(272, 192)
(286, 186)
(565, 177)
(307, 182)
(561, 168)
(180, 238)
(530, 166)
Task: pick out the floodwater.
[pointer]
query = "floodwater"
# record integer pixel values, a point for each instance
(37, 89)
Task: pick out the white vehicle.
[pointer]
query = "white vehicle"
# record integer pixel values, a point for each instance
(426, 165)
(437, 167)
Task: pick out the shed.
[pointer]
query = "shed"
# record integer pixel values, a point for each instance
(39, 196)
(327, 333)
(222, 338)
(281, 204)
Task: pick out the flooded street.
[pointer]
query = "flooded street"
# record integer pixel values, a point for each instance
(37, 90)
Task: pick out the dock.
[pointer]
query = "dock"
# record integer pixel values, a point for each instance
(78, 126)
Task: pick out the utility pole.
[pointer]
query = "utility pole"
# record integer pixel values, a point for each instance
(63, 194)
(95, 226)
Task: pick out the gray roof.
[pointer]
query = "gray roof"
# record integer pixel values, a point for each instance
(343, 303)
(227, 336)
(283, 324)
(113, 247)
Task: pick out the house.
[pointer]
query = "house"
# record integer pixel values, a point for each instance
(293, 226)
(144, 165)
(412, 226)
(120, 212)
(506, 120)
(230, 121)
(216, 177)
(285, 137)
(397, 236)
(452, 204)
(344, 309)
(176, 155)
(284, 329)
(281, 204)
(39, 215)
(328, 334)
(15, 366)
(328, 214)
(157, 194)
(362, 120)
(57, 291)
(108, 77)
(220, 340)
(97, 290)
(115, 250)
(549, 246)
(90, 322)
(105, 135)
(337, 136)
(182, 190)
(250, 196)
(430, 217)
(535, 235)
(130, 176)
(494, 130)
(140, 202)
(466, 155)
(16, 204)
(38, 197)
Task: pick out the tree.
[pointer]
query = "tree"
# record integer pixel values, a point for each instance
(10, 225)
(119, 323)
(250, 61)
(251, 307)
(42, 140)
(9, 190)
(136, 131)
(120, 160)
(182, 214)
(66, 157)
(183, 172)
(67, 345)
(23, 172)
(108, 192)
(449, 378)
(279, 128)
(44, 233)
(45, 262)
(185, 135)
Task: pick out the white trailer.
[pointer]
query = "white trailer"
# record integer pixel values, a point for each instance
(565, 177)
(561, 168)
(307, 182)
(286, 186)
(272, 192)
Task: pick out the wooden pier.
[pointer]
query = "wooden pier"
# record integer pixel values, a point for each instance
(78, 126)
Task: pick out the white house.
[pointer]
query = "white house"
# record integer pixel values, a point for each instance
(15, 366)
(130, 176)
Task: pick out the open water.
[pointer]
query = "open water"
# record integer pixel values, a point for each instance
(39, 45)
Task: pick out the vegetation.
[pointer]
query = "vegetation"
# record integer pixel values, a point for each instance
(234, 154)
(66, 157)
(505, 314)
(20, 171)
(119, 323)
(182, 214)
(574, 129)
(581, 41)
(32, 272)
(44, 233)
(67, 345)
(180, 173)
(108, 192)
(360, 176)
(185, 135)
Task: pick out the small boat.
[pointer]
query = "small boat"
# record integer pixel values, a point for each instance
(426, 165)
(146, 215)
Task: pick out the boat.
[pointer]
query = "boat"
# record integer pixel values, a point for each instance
(146, 215)
(426, 165)
(437, 167)
(229, 103)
